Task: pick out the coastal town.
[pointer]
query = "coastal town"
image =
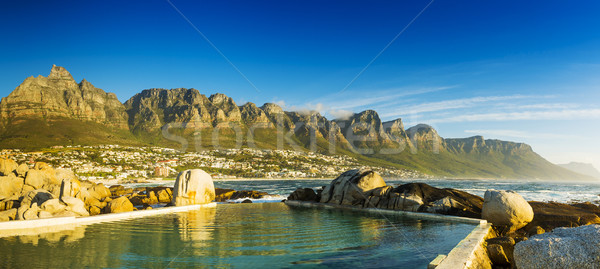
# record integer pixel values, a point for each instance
(136, 164)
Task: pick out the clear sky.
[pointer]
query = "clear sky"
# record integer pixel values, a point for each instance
(511, 70)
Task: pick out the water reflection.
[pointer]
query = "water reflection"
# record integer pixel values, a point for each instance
(239, 235)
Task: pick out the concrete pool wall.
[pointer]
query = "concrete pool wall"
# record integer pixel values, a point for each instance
(468, 253)
(37, 226)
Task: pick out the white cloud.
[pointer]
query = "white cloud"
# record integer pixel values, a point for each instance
(356, 99)
(340, 114)
(566, 114)
(519, 134)
(453, 104)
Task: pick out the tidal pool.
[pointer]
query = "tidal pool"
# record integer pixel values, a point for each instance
(270, 235)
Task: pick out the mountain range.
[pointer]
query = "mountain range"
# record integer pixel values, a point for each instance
(56, 110)
(582, 168)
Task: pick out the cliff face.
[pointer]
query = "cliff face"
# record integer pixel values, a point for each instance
(59, 96)
(56, 110)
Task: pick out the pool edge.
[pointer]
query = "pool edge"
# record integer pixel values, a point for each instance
(38, 226)
(468, 253)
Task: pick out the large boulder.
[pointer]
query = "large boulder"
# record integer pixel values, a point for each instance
(7, 166)
(118, 190)
(37, 197)
(75, 205)
(506, 208)
(53, 206)
(548, 216)
(352, 187)
(164, 195)
(10, 185)
(28, 212)
(22, 170)
(303, 194)
(7, 215)
(70, 187)
(193, 187)
(562, 248)
(35, 178)
(121, 204)
(425, 198)
(46, 173)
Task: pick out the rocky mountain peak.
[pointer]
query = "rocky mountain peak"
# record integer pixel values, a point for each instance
(252, 114)
(219, 98)
(59, 72)
(58, 96)
(271, 109)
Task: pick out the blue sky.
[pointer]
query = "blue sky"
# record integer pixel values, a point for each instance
(512, 70)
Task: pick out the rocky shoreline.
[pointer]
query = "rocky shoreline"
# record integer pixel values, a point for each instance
(516, 223)
(519, 226)
(44, 192)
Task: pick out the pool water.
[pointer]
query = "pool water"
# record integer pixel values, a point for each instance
(269, 235)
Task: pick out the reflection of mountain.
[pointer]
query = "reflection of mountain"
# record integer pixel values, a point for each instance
(56, 110)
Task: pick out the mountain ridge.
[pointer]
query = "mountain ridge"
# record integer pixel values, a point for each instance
(47, 111)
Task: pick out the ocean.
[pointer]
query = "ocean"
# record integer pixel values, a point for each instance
(543, 191)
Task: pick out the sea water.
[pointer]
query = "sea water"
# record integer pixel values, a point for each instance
(262, 235)
(543, 191)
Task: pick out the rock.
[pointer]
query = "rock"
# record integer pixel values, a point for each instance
(27, 213)
(10, 186)
(121, 204)
(9, 203)
(35, 178)
(165, 195)
(7, 166)
(53, 206)
(152, 199)
(54, 189)
(420, 196)
(27, 188)
(497, 255)
(381, 191)
(350, 187)
(45, 215)
(551, 215)
(65, 213)
(506, 208)
(62, 174)
(117, 190)
(70, 187)
(22, 170)
(46, 172)
(247, 201)
(445, 206)
(95, 210)
(41, 166)
(37, 197)
(303, 194)
(535, 230)
(99, 191)
(193, 187)
(408, 202)
(75, 205)
(9, 214)
(562, 248)
(222, 195)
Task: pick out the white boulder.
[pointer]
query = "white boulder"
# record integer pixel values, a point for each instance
(193, 186)
(506, 208)
(562, 248)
